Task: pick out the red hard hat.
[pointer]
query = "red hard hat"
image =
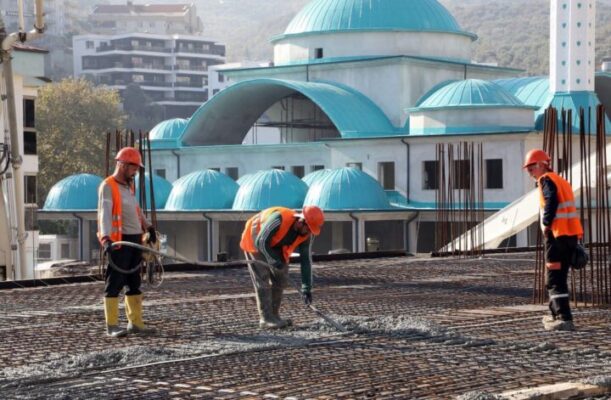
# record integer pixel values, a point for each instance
(534, 156)
(314, 218)
(129, 155)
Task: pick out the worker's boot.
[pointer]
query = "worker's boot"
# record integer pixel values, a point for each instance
(264, 305)
(111, 314)
(133, 308)
(559, 325)
(276, 301)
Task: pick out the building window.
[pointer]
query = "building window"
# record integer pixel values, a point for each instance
(89, 44)
(430, 175)
(44, 251)
(462, 174)
(29, 143)
(232, 172)
(317, 167)
(215, 91)
(160, 172)
(280, 167)
(29, 113)
(221, 78)
(30, 189)
(356, 165)
(298, 170)
(318, 53)
(64, 250)
(386, 175)
(494, 174)
(215, 169)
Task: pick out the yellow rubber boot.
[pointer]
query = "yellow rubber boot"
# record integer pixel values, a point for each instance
(133, 308)
(111, 314)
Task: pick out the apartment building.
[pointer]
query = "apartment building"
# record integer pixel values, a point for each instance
(171, 69)
(110, 19)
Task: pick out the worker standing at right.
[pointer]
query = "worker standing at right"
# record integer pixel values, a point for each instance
(561, 229)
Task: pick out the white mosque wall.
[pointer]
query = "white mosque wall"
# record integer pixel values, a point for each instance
(350, 44)
(438, 121)
(508, 148)
(392, 84)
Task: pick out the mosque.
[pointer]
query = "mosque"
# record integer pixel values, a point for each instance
(348, 118)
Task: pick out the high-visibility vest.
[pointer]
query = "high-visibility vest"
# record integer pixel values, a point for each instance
(253, 227)
(116, 230)
(566, 222)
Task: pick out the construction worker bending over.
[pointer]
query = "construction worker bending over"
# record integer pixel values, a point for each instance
(121, 219)
(561, 230)
(272, 236)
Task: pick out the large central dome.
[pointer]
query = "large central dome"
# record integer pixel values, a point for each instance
(321, 16)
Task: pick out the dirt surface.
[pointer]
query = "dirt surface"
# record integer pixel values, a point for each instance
(415, 328)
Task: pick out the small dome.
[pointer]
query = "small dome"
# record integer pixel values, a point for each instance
(312, 177)
(347, 189)
(76, 192)
(161, 190)
(169, 129)
(202, 190)
(268, 189)
(322, 16)
(243, 179)
(468, 93)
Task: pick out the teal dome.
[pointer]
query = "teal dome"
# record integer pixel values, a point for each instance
(347, 189)
(323, 16)
(202, 190)
(268, 189)
(166, 134)
(312, 177)
(468, 93)
(244, 178)
(161, 190)
(169, 129)
(76, 192)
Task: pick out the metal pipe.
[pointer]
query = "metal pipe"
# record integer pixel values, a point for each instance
(177, 163)
(407, 161)
(80, 233)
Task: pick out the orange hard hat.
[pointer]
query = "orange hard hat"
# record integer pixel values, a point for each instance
(534, 156)
(314, 218)
(129, 155)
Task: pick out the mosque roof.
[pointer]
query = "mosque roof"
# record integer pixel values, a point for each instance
(327, 16)
(166, 133)
(270, 188)
(215, 122)
(161, 190)
(312, 177)
(202, 190)
(347, 189)
(468, 93)
(76, 192)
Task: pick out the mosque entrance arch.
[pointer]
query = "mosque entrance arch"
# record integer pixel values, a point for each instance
(302, 111)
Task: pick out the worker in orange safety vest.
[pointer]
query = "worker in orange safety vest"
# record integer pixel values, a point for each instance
(121, 219)
(561, 229)
(272, 236)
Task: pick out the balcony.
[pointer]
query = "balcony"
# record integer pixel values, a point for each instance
(129, 47)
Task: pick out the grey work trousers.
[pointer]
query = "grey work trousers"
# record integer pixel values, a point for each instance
(269, 283)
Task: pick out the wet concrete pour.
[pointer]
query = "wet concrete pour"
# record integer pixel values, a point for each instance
(416, 328)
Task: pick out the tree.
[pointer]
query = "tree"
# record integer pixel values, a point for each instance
(73, 117)
(142, 113)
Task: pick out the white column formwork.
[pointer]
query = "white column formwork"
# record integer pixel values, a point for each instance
(572, 29)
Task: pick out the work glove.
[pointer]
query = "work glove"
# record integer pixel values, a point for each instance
(307, 298)
(152, 234)
(107, 246)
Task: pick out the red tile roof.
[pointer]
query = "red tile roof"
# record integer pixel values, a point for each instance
(27, 47)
